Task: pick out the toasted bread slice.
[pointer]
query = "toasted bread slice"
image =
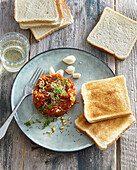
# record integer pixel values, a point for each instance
(105, 99)
(35, 11)
(114, 33)
(41, 32)
(106, 132)
(46, 24)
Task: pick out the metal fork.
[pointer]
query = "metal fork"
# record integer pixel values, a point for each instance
(27, 91)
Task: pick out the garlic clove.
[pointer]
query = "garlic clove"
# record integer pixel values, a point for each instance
(61, 72)
(69, 59)
(51, 70)
(76, 75)
(70, 69)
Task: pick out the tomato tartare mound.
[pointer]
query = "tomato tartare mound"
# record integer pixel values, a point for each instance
(54, 95)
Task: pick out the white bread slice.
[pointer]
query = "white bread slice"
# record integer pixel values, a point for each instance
(114, 33)
(106, 132)
(41, 32)
(35, 11)
(44, 24)
(105, 99)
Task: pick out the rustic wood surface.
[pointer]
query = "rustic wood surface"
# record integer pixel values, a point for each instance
(17, 152)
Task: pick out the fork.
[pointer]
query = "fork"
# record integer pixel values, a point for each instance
(27, 91)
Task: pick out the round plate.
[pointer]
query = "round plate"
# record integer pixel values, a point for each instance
(68, 139)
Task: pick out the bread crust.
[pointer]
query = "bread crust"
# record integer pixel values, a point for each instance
(30, 21)
(105, 99)
(56, 28)
(41, 24)
(109, 51)
(85, 127)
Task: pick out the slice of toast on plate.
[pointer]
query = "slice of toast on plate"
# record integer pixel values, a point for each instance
(105, 99)
(106, 132)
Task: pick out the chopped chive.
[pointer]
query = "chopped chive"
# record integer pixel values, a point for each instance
(71, 98)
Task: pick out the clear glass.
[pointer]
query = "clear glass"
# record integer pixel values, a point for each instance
(14, 50)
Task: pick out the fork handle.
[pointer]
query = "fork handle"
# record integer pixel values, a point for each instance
(5, 126)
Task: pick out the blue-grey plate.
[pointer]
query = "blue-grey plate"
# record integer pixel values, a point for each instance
(68, 139)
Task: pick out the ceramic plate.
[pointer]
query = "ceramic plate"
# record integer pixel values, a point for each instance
(68, 139)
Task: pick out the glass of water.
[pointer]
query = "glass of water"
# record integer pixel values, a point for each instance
(14, 50)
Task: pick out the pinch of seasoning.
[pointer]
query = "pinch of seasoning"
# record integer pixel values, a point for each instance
(62, 118)
(53, 129)
(39, 127)
(58, 118)
(65, 123)
(69, 118)
(49, 132)
(61, 128)
(44, 133)
(70, 122)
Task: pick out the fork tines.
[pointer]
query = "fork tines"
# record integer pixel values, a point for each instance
(36, 75)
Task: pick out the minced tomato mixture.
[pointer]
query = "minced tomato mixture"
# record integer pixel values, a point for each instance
(54, 95)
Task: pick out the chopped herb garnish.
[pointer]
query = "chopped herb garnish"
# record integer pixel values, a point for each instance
(28, 123)
(65, 81)
(57, 78)
(33, 122)
(42, 109)
(71, 98)
(51, 105)
(29, 128)
(58, 89)
(49, 89)
(66, 94)
(57, 97)
(47, 123)
(37, 120)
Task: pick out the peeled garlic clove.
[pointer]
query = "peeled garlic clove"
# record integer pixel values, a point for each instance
(70, 69)
(76, 75)
(61, 72)
(51, 70)
(69, 59)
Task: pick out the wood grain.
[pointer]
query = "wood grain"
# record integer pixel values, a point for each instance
(17, 152)
(11, 144)
(128, 68)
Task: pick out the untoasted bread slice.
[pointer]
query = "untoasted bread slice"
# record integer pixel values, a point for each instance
(46, 24)
(105, 99)
(106, 132)
(41, 32)
(114, 33)
(35, 11)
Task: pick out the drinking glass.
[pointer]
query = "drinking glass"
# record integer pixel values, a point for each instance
(14, 50)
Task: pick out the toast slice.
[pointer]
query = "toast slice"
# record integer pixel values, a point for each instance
(106, 132)
(105, 99)
(114, 33)
(41, 32)
(35, 11)
(44, 24)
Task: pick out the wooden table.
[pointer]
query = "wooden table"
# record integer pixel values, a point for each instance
(16, 150)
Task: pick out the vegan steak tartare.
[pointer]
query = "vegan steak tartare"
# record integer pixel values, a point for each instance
(54, 95)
